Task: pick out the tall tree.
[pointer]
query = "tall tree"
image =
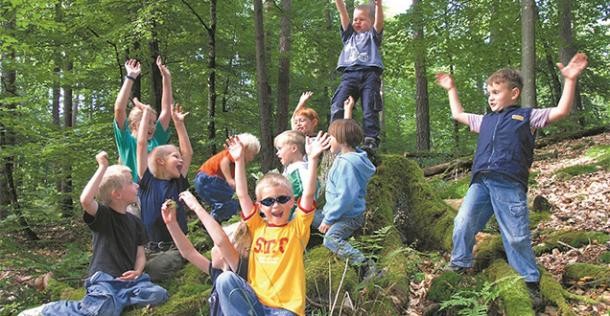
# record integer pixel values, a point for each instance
(528, 52)
(264, 98)
(283, 83)
(156, 81)
(66, 204)
(421, 82)
(567, 49)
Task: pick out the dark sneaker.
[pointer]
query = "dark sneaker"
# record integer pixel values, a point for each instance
(458, 269)
(534, 290)
(370, 143)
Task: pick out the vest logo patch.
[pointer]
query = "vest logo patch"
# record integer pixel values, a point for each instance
(517, 117)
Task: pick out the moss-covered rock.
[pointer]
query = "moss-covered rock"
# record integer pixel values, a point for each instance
(573, 238)
(586, 273)
(488, 250)
(514, 296)
(444, 286)
(325, 272)
(554, 292)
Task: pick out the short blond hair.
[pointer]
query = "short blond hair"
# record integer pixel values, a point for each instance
(250, 142)
(135, 116)
(275, 180)
(291, 137)
(115, 178)
(241, 239)
(160, 152)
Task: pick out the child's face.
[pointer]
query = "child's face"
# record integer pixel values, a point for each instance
(173, 164)
(287, 153)
(305, 125)
(249, 155)
(129, 191)
(335, 147)
(501, 96)
(361, 21)
(277, 213)
(152, 123)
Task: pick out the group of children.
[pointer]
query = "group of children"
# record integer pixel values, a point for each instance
(259, 268)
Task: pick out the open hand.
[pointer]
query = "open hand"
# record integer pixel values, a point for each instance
(163, 68)
(132, 66)
(235, 147)
(102, 159)
(177, 113)
(189, 199)
(577, 64)
(444, 80)
(305, 97)
(314, 146)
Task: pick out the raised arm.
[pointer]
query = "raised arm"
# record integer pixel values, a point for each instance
(457, 111)
(87, 197)
(133, 69)
(186, 150)
(378, 16)
(315, 147)
(142, 141)
(167, 97)
(570, 74)
(218, 235)
(305, 96)
(342, 14)
(184, 245)
(237, 151)
(348, 107)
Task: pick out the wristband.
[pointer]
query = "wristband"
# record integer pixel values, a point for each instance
(130, 77)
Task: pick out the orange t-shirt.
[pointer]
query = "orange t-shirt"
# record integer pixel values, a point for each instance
(212, 166)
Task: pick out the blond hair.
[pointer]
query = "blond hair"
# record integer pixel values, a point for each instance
(291, 137)
(115, 178)
(160, 152)
(135, 117)
(250, 142)
(275, 180)
(241, 239)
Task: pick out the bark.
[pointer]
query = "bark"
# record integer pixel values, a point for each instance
(212, 77)
(66, 203)
(156, 80)
(264, 100)
(421, 82)
(528, 53)
(283, 84)
(568, 49)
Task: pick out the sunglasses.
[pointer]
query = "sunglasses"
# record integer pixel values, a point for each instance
(282, 199)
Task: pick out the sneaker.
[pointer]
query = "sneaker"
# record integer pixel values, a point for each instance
(534, 291)
(458, 269)
(370, 143)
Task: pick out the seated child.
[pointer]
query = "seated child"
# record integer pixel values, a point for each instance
(501, 165)
(304, 119)
(116, 272)
(349, 175)
(157, 134)
(162, 176)
(227, 255)
(361, 65)
(276, 272)
(215, 184)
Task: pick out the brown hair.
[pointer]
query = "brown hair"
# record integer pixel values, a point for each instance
(510, 76)
(115, 178)
(346, 131)
(291, 137)
(272, 179)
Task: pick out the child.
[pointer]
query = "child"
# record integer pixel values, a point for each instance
(304, 119)
(116, 272)
(360, 62)
(227, 255)
(276, 272)
(162, 176)
(349, 175)
(158, 131)
(501, 166)
(215, 184)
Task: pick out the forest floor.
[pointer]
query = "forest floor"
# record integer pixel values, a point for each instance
(579, 202)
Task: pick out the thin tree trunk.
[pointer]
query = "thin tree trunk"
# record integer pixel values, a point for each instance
(156, 80)
(263, 89)
(528, 53)
(283, 83)
(567, 49)
(421, 82)
(66, 203)
(212, 77)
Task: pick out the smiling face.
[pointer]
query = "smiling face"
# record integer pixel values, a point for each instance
(501, 96)
(362, 20)
(128, 192)
(135, 117)
(174, 164)
(277, 213)
(304, 124)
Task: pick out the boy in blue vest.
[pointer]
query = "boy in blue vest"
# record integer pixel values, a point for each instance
(501, 166)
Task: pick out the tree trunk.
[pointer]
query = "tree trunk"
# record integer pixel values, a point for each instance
(156, 80)
(212, 77)
(567, 49)
(264, 101)
(283, 83)
(528, 53)
(421, 82)
(66, 203)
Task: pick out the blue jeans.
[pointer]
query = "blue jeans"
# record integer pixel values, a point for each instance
(336, 237)
(216, 192)
(364, 83)
(107, 295)
(237, 297)
(495, 194)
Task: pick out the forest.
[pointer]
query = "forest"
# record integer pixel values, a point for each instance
(240, 66)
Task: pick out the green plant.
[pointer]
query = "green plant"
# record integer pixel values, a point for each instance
(475, 302)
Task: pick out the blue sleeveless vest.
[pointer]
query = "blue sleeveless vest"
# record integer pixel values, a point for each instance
(506, 144)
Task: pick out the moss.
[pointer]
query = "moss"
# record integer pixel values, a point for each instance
(554, 292)
(444, 286)
(572, 171)
(320, 263)
(61, 291)
(596, 275)
(537, 217)
(488, 250)
(514, 296)
(605, 257)
(573, 238)
(452, 189)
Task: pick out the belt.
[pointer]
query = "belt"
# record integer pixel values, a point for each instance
(156, 246)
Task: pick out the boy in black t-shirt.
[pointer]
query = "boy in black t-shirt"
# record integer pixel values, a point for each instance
(116, 278)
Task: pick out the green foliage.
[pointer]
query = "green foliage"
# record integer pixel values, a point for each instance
(475, 302)
(572, 238)
(572, 171)
(451, 189)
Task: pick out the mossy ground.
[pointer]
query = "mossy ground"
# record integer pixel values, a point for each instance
(571, 238)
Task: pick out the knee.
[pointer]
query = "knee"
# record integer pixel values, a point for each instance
(226, 281)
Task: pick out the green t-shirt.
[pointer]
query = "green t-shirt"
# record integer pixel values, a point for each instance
(127, 144)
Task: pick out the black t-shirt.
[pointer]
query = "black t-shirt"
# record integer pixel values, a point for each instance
(116, 238)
